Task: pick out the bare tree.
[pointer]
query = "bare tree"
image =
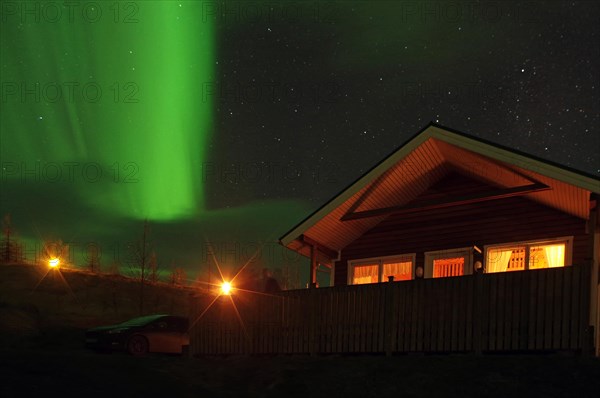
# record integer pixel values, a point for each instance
(140, 252)
(114, 268)
(178, 276)
(6, 243)
(153, 269)
(202, 281)
(93, 258)
(10, 249)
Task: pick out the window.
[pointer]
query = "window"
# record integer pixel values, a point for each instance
(528, 255)
(365, 273)
(444, 263)
(448, 267)
(380, 269)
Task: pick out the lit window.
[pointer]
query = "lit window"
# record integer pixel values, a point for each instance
(504, 259)
(547, 256)
(527, 255)
(367, 273)
(447, 263)
(380, 269)
(448, 267)
(401, 271)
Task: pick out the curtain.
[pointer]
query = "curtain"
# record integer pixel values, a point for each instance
(368, 273)
(555, 255)
(401, 271)
(444, 267)
(497, 260)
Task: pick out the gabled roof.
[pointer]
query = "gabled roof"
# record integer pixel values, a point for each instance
(391, 186)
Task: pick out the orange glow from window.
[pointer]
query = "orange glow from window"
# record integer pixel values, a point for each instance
(515, 258)
(547, 256)
(401, 271)
(53, 262)
(367, 273)
(448, 267)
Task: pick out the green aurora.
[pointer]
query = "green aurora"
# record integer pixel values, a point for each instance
(340, 84)
(105, 99)
(104, 123)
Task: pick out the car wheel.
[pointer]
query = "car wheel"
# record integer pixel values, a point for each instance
(138, 345)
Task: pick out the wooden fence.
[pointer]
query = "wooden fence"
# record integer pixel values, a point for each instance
(537, 310)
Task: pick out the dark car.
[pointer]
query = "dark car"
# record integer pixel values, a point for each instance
(138, 336)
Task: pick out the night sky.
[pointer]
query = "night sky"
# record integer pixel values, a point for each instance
(229, 122)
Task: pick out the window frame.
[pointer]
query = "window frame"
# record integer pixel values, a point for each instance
(568, 240)
(429, 256)
(380, 260)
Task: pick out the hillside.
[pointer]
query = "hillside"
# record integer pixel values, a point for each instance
(42, 306)
(41, 350)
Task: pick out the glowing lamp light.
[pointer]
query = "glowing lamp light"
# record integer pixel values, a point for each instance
(53, 262)
(419, 272)
(226, 288)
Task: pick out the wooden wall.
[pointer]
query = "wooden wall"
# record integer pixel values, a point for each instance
(497, 221)
(537, 310)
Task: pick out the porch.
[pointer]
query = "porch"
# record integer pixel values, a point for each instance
(536, 310)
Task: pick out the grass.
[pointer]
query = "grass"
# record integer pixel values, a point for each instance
(40, 308)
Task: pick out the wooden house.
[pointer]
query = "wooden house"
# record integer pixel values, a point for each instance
(449, 244)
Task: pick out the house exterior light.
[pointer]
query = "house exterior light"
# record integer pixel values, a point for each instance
(226, 288)
(419, 272)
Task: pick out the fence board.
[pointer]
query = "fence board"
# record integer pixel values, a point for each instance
(404, 324)
(549, 309)
(449, 303)
(503, 308)
(430, 301)
(557, 311)
(366, 304)
(444, 309)
(397, 319)
(585, 340)
(415, 314)
(451, 341)
(471, 311)
(531, 329)
(566, 312)
(482, 320)
(368, 308)
(575, 283)
(493, 300)
(515, 335)
(535, 310)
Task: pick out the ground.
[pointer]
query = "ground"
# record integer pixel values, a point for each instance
(41, 354)
(73, 371)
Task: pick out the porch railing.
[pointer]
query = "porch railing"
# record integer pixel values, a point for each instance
(515, 311)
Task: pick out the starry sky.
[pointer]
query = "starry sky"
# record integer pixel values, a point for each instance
(226, 123)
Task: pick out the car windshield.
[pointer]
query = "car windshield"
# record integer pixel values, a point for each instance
(141, 321)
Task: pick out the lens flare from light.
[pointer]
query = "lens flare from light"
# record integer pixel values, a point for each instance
(226, 288)
(53, 262)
